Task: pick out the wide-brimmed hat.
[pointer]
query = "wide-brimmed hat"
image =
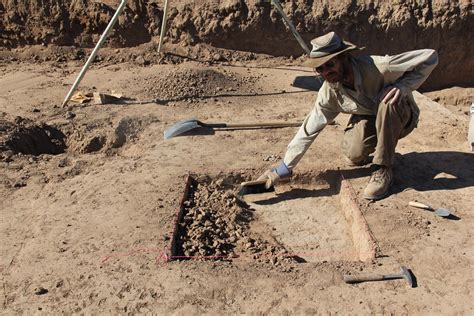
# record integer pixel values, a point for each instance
(326, 47)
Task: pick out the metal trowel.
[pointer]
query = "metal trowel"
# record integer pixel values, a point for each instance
(442, 212)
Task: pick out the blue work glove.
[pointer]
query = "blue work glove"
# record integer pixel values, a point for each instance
(275, 175)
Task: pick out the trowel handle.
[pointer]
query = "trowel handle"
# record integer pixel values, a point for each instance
(419, 205)
(363, 278)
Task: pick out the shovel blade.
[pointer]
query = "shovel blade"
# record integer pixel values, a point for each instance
(181, 127)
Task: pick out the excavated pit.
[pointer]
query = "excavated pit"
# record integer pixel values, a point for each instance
(213, 224)
(302, 221)
(21, 135)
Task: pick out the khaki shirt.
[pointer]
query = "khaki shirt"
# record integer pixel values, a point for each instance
(372, 74)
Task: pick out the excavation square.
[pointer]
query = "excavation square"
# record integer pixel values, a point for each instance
(302, 220)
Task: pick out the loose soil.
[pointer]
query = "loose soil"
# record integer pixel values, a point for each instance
(89, 193)
(215, 224)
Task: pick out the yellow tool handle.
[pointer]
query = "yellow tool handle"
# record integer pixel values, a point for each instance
(255, 125)
(419, 205)
(363, 278)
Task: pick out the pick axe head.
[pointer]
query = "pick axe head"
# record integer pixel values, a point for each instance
(407, 275)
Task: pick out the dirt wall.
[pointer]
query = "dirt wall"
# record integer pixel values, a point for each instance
(383, 27)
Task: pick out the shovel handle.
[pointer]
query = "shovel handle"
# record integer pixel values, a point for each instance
(419, 205)
(363, 278)
(253, 125)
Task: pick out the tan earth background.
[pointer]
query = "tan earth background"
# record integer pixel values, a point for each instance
(89, 193)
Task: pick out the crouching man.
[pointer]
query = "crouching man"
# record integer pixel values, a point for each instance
(376, 91)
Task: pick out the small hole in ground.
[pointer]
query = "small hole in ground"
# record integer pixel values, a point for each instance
(23, 136)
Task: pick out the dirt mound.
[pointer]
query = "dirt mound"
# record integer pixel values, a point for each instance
(21, 135)
(217, 225)
(185, 84)
(455, 98)
(387, 27)
(106, 135)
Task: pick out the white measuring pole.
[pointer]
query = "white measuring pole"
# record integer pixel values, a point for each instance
(293, 30)
(94, 52)
(163, 25)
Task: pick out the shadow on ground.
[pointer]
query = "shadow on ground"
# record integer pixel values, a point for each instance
(311, 83)
(432, 171)
(428, 171)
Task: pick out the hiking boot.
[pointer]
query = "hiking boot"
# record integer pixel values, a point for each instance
(379, 184)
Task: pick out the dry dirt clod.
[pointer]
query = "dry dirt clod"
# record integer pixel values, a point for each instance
(41, 291)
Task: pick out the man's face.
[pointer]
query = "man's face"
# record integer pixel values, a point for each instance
(332, 71)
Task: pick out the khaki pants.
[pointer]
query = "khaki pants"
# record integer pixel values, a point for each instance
(366, 134)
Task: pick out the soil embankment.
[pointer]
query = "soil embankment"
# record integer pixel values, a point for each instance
(383, 27)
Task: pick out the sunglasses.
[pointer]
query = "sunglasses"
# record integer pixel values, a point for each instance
(328, 65)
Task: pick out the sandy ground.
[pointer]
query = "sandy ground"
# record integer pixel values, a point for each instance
(84, 231)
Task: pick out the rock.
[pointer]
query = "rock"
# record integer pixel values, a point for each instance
(70, 115)
(41, 291)
(19, 184)
(7, 155)
(140, 60)
(273, 260)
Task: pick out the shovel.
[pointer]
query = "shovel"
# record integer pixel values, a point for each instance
(184, 126)
(442, 212)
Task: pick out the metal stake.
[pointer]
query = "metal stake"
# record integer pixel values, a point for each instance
(293, 30)
(163, 25)
(94, 52)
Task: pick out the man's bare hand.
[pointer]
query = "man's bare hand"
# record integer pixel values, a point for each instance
(391, 95)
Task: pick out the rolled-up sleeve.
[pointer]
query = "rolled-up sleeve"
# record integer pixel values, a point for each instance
(409, 70)
(323, 112)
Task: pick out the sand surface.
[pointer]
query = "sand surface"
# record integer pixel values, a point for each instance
(85, 230)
